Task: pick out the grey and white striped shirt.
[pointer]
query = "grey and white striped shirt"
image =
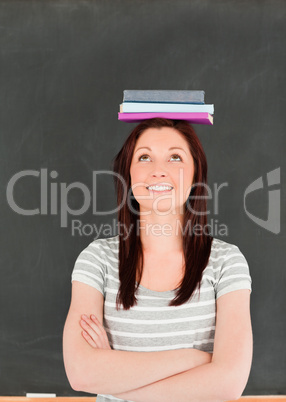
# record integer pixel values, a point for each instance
(152, 325)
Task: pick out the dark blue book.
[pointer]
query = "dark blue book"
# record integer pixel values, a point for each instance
(164, 96)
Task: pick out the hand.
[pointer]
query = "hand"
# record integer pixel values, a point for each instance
(94, 333)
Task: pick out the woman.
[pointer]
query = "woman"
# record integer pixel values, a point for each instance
(161, 311)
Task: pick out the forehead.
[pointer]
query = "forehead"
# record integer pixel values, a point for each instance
(165, 136)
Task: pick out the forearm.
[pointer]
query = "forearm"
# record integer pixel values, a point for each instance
(113, 371)
(107, 371)
(209, 382)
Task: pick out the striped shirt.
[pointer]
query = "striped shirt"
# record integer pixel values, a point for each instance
(152, 325)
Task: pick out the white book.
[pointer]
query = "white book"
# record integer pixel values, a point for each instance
(145, 107)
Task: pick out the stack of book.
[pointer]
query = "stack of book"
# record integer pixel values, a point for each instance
(169, 104)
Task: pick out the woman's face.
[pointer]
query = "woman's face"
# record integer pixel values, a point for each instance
(161, 156)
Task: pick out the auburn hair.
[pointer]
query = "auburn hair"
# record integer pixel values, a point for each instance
(196, 248)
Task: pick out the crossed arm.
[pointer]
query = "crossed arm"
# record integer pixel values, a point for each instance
(184, 374)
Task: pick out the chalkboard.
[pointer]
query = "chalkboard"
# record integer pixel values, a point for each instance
(64, 66)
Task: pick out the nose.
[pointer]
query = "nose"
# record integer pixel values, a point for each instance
(159, 174)
(158, 171)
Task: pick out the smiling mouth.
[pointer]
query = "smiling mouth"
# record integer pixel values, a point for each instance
(160, 191)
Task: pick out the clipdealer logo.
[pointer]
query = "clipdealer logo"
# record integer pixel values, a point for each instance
(52, 188)
(272, 223)
(50, 191)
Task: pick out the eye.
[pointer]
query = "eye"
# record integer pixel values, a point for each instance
(176, 155)
(142, 156)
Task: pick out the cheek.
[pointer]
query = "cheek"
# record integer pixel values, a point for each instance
(135, 175)
(188, 181)
(132, 172)
(184, 175)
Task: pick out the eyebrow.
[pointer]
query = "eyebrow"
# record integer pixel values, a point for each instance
(151, 149)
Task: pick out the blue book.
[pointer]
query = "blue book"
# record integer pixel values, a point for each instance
(164, 96)
(144, 107)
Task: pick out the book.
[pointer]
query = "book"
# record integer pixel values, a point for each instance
(139, 107)
(196, 118)
(164, 96)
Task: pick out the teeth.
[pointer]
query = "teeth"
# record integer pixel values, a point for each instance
(159, 188)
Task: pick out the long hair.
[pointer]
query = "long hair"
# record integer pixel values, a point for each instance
(196, 247)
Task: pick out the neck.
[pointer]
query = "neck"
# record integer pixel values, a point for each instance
(161, 234)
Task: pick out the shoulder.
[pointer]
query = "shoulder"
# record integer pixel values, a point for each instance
(95, 262)
(229, 267)
(222, 251)
(101, 253)
(221, 248)
(106, 247)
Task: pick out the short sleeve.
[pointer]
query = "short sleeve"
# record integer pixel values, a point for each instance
(89, 267)
(234, 273)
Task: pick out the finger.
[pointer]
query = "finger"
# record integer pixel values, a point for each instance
(91, 336)
(100, 326)
(104, 334)
(93, 325)
(88, 338)
(96, 331)
(97, 322)
(92, 331)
